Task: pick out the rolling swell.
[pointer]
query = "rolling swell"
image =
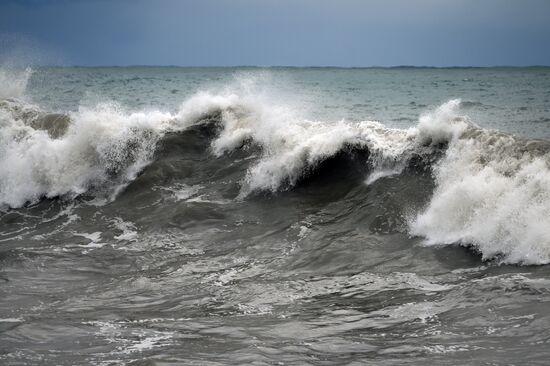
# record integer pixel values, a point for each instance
(489, 190)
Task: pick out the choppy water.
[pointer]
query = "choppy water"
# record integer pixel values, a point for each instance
(274, 216)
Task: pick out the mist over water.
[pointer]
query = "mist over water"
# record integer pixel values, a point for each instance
(303, 216)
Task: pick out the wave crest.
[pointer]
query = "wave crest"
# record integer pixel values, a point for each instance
(492, 192)
(101, 148)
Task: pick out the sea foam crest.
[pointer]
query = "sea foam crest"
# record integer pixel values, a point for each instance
(99, 149)
(492, 192)
(101, 145)
(292, 145)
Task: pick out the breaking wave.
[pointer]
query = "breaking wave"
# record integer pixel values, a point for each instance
(492, 190)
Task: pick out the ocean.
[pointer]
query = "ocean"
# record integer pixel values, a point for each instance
(274, 216)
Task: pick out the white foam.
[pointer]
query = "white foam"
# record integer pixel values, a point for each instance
(379, 174)
(104, 146)
(181, 191)
(291, 146)
(130, 339)
(94, 239)
(442, 125)
(11, 320)
(128, 230)
(101, 145)
(493, 197)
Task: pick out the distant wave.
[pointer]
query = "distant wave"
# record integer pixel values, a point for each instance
(492, 190)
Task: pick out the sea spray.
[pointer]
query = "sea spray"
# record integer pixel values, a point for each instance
(13, 82)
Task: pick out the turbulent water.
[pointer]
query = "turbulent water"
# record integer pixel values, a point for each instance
(274, 216)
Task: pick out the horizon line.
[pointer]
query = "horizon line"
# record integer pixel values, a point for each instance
(300, 67)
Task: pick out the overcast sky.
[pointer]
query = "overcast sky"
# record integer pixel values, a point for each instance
(276, 32)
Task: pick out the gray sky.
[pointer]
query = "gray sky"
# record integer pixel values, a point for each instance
(276, 32)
